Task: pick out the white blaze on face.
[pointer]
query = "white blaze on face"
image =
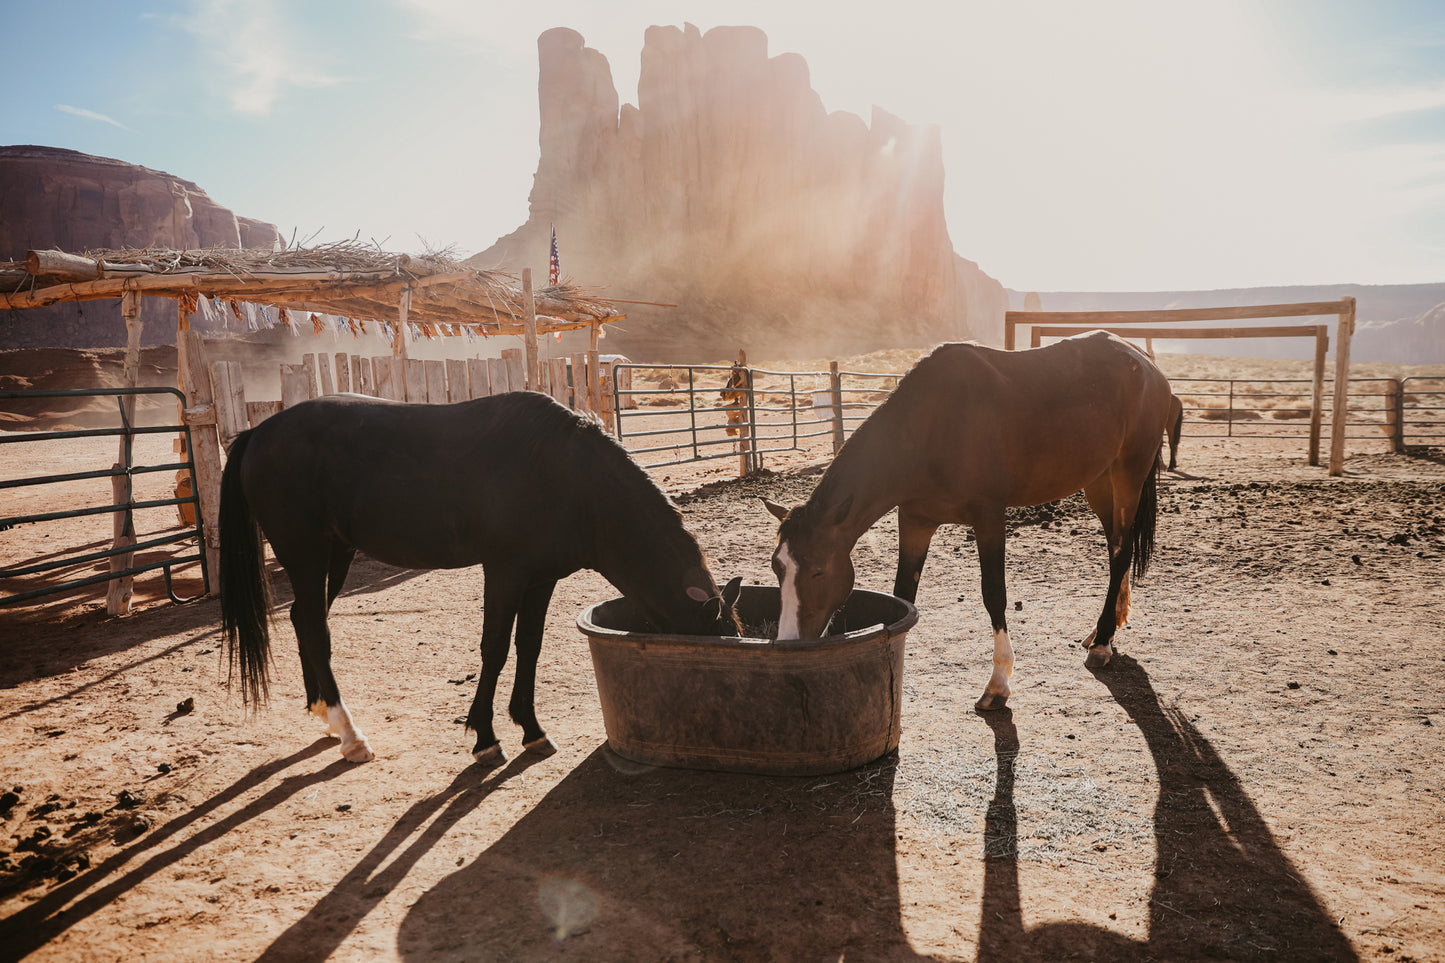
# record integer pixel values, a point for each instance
(788, 614)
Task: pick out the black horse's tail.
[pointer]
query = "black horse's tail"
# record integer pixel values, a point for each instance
(245, 592)
(1145, 517)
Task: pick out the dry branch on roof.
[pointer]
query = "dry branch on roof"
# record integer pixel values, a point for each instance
(343, 278)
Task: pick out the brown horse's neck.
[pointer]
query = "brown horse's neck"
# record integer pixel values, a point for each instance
(864, 481)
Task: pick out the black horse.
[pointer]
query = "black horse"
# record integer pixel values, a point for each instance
(516, 483)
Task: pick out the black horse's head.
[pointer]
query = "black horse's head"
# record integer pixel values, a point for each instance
(712, 612)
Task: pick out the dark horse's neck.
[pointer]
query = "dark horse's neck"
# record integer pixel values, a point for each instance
(643, 549)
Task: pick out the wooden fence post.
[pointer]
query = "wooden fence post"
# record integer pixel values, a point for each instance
(361, 375)
(1317, 392)
(119, 591)
(229, 391)
(259, 411)
(1341, 414)
(835, 384)
(201, 417)
(579, 382)
(435, 373)
(323, 368)
(497, 377)
(1395, 413)
(296, 387)
(479, 381)
(413, 374)
(594, 382)
(456, 380)
(558, 379)
(516, 365)
(529, 325)
(343, 372)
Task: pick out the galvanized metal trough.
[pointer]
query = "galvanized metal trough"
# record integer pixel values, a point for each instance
(752, 704)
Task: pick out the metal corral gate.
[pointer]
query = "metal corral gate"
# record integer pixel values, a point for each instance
(1421, 418)
(127, 504)
(699, 412)
(1398, 413)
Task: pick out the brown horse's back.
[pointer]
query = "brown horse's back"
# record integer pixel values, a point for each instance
(1026, 427)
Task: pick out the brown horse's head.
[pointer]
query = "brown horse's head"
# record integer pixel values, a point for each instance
(814, 570)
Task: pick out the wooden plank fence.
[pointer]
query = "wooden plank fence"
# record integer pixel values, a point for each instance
(581, 382)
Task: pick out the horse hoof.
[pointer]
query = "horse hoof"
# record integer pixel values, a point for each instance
(543, 747)
(1099, 656)
(991, 700)
(490, 756)
(359, 751)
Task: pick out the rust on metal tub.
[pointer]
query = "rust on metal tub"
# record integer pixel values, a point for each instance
(752, 704)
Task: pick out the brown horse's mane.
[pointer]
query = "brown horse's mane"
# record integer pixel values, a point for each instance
(855, 465)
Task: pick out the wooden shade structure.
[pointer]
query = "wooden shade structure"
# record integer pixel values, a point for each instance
(345, 279)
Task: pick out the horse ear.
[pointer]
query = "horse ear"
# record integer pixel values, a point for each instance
(697, 594)
(780, 512)
(840, 514)
(731, 591)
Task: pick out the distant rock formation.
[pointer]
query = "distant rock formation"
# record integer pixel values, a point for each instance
(729, 191)
(56, 198)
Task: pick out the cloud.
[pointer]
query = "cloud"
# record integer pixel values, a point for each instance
(258, 49)
(90, 115)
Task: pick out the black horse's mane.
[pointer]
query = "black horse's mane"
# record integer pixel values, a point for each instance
(542, 418)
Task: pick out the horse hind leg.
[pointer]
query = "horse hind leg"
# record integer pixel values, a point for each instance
(1101, 497)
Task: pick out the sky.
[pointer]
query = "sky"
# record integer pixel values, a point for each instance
(1105, 145)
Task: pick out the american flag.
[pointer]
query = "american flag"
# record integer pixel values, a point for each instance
(554, 268)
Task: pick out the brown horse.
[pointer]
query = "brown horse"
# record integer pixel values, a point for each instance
(969, 432)
(515, 483)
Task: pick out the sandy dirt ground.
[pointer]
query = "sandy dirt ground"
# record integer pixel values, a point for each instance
(1257, 777)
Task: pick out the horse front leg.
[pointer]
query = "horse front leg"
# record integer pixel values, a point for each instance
(323, 697)
(500, 602)
(990, 536)
(915, 534)
(531, 622)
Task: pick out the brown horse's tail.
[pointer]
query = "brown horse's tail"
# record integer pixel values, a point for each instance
(1174, 432)
(245, 592)
(1145, 517)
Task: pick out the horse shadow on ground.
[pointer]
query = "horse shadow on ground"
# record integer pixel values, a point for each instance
(1223, 888)
(624, 862)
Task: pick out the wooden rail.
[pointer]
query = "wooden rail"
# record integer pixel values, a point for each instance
(1079, 322)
